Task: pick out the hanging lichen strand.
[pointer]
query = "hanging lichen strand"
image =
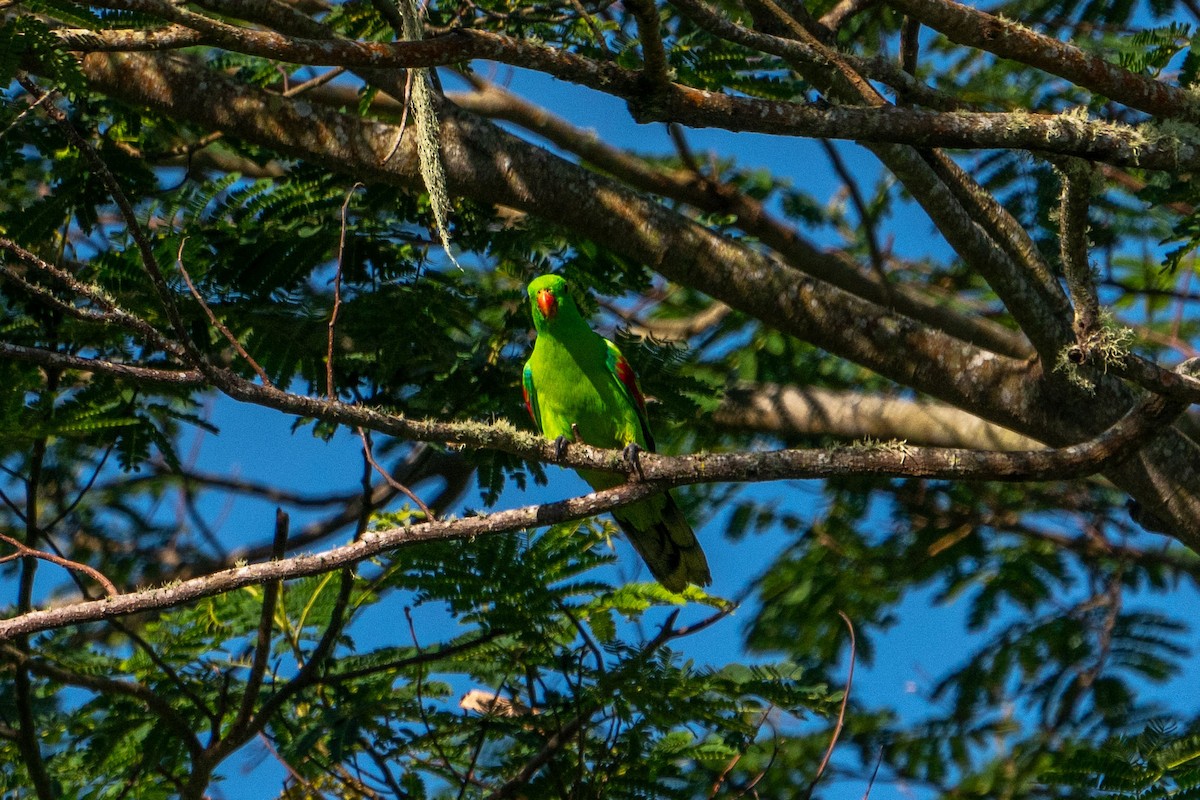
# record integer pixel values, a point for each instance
(428, 132)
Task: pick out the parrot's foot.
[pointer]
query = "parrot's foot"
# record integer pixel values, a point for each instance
(560, 446)
(632, 455)
(577, 434)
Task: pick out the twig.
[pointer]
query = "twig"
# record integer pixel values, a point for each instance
(112, 313)
(153, 700)
(591, 23)
(762, 773)
(666, 633)
(406, 102)
(387, 476)
(23, 551)
(24, 112)
(28, 738)
(841, 718)
(684, 149)
(87, 487)
(423, 657)
(145, 249)
(337, 298)
(733, 762)
(865, 217)
(262, 645)
(874, 772)
(837, 16)
(418, 683)
(296, 776)
(220, 326)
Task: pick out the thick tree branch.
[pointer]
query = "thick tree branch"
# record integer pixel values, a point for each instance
(169, 37)
(1073, 242)
(752, 217)
(461, 45)
(1064, 134)
(660, 473)
(138, 374)
(1008, 39)
(973, 222)
(813, 411)
(982, 232)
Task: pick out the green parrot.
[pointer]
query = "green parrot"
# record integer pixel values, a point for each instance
(577, 382)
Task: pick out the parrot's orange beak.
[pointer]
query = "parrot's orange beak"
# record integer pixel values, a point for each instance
(547, 303)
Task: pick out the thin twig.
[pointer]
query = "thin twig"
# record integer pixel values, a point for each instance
(296, 776)
(841, 718)
(418, 681)
(762, 773)
(337, 298)
(262, 645)
(874, 772)
(112, 313)
(685, 151)
(865, 217)
(365, 435)
(24, 112)
(23, 551)
(591, 23)
(408, 83)
(212, 317)
(733, 762)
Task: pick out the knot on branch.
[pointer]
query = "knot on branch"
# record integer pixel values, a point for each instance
(649, 104)
(1107, 343)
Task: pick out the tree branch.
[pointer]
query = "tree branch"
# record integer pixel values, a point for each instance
(811, 410)
(654, 58)
(1008, 39)
(23, 551)
(704, 194)
(1061, 133)
(661, 472)
(1073, 240)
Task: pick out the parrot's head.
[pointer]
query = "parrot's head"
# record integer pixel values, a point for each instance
(549, 299)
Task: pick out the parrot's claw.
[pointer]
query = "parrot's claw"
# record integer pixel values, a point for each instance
(578, 436)
(560, 446)
(632, 455)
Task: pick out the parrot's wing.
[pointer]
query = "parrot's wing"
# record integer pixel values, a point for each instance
(627, 380)
(530, 392)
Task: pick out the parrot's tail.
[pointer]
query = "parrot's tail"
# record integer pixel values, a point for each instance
(663, 538)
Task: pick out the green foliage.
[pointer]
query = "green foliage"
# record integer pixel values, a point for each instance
(1152, 49)
(1160, 762)
(29, 40)
(534, 628)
